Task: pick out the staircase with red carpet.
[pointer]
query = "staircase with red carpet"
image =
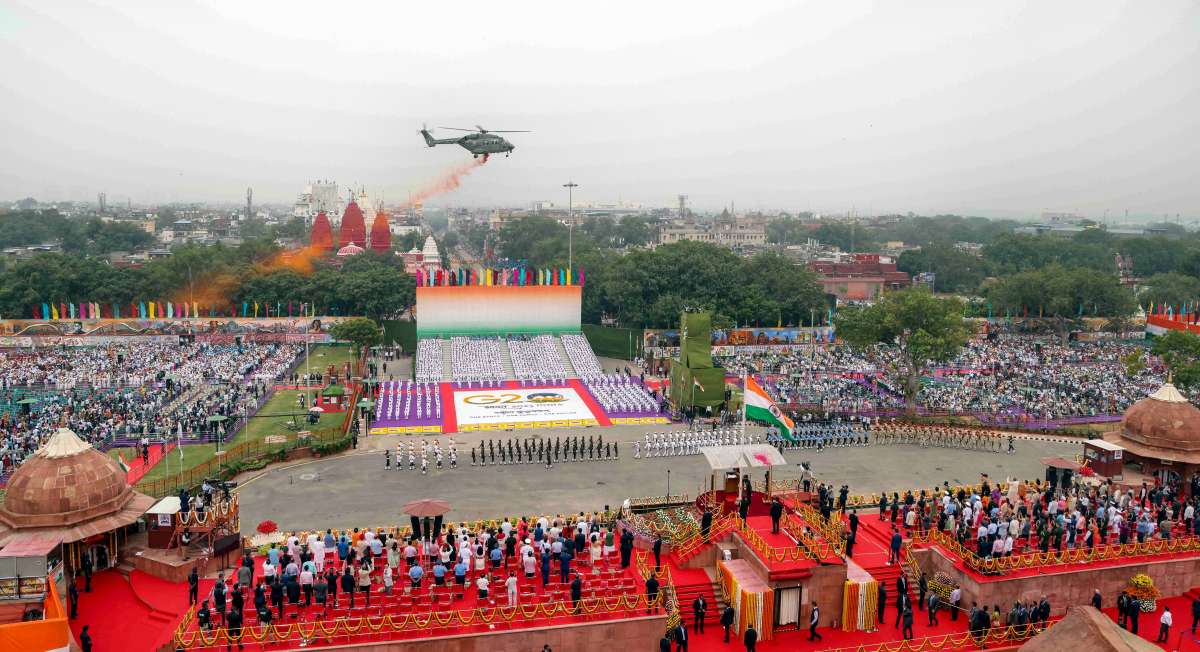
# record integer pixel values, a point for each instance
(120, 620)
(871, 553)
(686, 593)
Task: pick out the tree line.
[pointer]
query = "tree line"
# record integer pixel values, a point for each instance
(217, 278)
(80, 237)
(649, 288)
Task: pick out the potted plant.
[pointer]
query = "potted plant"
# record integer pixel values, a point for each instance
(1142, 589)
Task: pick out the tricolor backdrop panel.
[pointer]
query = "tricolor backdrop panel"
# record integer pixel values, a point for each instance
(498, 309)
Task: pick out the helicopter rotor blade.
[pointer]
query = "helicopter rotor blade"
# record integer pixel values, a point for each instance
(458, 129)
(510, 131)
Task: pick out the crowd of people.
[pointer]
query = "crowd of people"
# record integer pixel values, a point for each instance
(1008, 379)
(403, 399)
(475, 359)
(536, 358)
(429, 361)
(547, 561)
(132, 392)
(1059, 514)
(622, 394)
(580, 353)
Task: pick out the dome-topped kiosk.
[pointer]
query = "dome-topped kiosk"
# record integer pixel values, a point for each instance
(1159, 436)
(72, 496)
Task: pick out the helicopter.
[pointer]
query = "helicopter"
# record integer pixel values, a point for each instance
(480, 142)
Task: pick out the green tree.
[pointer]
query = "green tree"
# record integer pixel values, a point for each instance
(295, 228)
(360, 332)
(1170, 288)
(369, 284)
(1180, 352)
(790, 293)
(955, 271)
(1060, 296)
(847, 237)
(787, 231)
(538, 240)
(923, 329)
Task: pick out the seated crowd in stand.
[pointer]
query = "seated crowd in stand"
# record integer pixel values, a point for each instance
(536, 358)
(429, 361)
(580, 353)
(177, 386)
(476, 359)
(1010, 378)
(620, 393)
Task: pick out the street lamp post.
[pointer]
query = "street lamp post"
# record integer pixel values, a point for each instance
(570, 186)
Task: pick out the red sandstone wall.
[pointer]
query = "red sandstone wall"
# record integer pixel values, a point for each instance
(826, 585)
(1171, 576)
(631, 634)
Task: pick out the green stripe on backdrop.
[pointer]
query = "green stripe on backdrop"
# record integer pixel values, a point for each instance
(609, 342)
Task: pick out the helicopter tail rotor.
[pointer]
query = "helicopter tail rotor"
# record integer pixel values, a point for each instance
(428, 137)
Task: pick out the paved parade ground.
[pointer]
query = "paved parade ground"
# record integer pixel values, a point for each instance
(354, 489)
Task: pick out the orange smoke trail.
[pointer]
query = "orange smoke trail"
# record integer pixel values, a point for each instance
(297, 260)
(450, 180)
(215, 289)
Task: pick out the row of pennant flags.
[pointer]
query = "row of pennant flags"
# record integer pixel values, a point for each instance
(1188, 313)
(509, 276)
(170, 310)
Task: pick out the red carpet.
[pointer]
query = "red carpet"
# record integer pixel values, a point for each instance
(138, 468)
(117, 620)
(449, 419)
(161, 595)
(785, 556)
(597, 411)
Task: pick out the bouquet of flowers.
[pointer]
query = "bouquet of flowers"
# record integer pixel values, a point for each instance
(1142, 589)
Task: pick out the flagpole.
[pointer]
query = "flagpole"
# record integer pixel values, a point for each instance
(745, 390)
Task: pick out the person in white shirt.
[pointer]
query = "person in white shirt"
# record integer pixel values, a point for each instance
(1164, 625)
(317, 548)
(510, 586)
(482, 585)
(268, 570)
(387, 580)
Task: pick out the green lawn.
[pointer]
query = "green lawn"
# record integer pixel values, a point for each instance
(323, 355)
(280, 407)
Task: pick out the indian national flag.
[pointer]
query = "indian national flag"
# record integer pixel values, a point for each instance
(760, 407)
(122, 463)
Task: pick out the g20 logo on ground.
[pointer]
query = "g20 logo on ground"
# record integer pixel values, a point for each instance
(503, 398)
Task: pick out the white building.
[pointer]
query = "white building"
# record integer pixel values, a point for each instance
(319, 196)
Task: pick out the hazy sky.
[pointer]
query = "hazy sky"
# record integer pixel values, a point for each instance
(996, 108)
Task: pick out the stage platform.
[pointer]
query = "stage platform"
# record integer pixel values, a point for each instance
(405, 408)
